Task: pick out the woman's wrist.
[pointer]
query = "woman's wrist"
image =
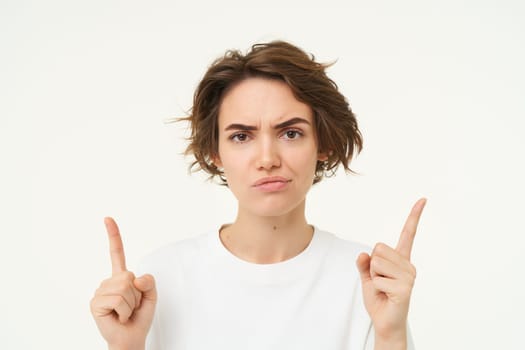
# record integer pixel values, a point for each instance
(393, 342)
(140, 347)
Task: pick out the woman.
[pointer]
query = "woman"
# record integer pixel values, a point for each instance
(269, 124)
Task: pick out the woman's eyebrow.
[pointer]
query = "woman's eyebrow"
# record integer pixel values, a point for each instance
(289, 122)
(240, 127)
(292, 121)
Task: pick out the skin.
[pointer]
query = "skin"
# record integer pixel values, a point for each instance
(123, 305)
(387, 278)
(265, 132)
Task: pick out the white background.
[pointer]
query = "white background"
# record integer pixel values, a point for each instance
(85, 88)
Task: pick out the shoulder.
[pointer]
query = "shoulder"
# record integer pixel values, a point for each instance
(342, 247)
(173, 253)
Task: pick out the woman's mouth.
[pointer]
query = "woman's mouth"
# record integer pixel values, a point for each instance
(271, 184)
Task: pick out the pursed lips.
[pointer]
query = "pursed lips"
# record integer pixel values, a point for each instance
(270, 179)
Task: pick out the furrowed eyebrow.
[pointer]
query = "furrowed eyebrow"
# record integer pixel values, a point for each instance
(291, 122)
(240, 127)
(284, 124)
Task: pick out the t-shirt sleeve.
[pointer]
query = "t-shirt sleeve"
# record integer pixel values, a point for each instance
(369, 345)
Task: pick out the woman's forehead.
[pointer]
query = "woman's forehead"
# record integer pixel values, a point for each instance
(258, 101)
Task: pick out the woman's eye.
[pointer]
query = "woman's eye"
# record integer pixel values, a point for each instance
(239, 137)
(292, 134)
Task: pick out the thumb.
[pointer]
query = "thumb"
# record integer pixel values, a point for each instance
(146, 285)
(363, 265)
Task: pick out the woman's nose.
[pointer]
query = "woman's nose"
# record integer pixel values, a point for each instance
(268, 154)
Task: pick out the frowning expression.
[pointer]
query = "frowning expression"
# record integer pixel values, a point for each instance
(267, 146)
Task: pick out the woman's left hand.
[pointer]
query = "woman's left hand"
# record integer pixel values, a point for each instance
(387, 278)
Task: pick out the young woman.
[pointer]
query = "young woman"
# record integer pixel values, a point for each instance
(269, 125)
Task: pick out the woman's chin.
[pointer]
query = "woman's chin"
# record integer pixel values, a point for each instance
(274, 209)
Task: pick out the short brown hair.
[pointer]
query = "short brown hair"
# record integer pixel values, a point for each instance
(336, 127)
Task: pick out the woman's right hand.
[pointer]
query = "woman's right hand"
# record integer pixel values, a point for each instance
(123, 305)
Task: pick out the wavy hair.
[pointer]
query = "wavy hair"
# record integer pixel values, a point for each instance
(336, 127)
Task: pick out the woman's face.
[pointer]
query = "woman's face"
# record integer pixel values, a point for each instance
(267, 146)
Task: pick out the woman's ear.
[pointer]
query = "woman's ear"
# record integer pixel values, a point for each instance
(323, 156)
(216, 161)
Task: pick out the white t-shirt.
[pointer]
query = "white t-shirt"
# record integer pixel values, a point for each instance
(209, 298)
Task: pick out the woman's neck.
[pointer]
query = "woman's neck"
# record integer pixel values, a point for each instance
(265, 239)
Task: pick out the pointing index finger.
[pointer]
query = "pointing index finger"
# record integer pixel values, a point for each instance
(406, 239)
(116, 248)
